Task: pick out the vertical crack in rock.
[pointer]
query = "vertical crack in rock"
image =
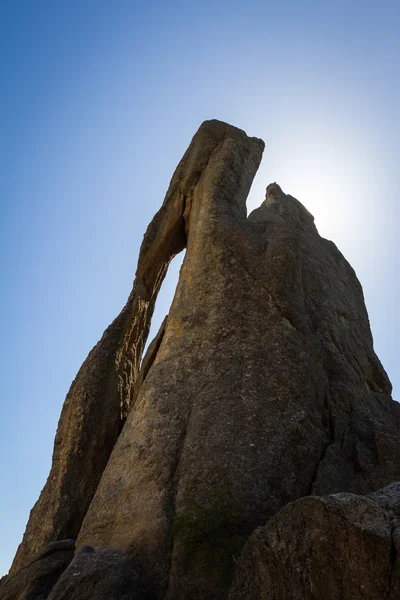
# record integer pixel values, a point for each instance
(393, 560)
(171, 507)
(331, 438)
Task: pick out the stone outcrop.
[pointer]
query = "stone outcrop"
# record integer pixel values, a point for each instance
(262, 380)
(341, 546)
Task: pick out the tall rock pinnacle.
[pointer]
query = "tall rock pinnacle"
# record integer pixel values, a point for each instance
(262, 380)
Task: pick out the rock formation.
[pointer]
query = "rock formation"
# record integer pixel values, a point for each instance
(262, 382)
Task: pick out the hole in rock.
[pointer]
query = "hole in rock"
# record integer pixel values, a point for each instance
(165, 297)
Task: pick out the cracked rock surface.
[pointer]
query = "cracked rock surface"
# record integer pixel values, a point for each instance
(263, 379)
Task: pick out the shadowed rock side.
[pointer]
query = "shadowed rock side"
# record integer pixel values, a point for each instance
(98, 401)
(36, 579)
(104, 575)
(265, 382)
(341, 546)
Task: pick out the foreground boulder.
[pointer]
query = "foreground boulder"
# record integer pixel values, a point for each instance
(104, 575)
(36, 580)
(338, 547)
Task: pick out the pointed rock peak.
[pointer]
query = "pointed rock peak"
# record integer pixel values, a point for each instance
(274, 193)
(288, 204)
(277, 204)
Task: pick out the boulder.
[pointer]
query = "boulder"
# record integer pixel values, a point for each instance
(336, 547)
(103, 575)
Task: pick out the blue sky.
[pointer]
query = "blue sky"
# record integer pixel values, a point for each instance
(99, 101)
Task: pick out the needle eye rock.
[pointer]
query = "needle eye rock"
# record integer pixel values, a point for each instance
(260, 419)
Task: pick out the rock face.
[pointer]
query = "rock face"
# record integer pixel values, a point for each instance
(341, 546)
(35, 580)
(262, 381)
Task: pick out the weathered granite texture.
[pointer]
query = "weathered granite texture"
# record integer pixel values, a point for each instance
(262, 380)
(337, 547)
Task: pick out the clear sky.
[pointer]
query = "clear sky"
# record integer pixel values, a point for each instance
(100, 99)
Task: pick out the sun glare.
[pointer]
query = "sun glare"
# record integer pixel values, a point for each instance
(333, 175)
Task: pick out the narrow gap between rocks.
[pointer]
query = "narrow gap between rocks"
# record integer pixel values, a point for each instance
(165, 297)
